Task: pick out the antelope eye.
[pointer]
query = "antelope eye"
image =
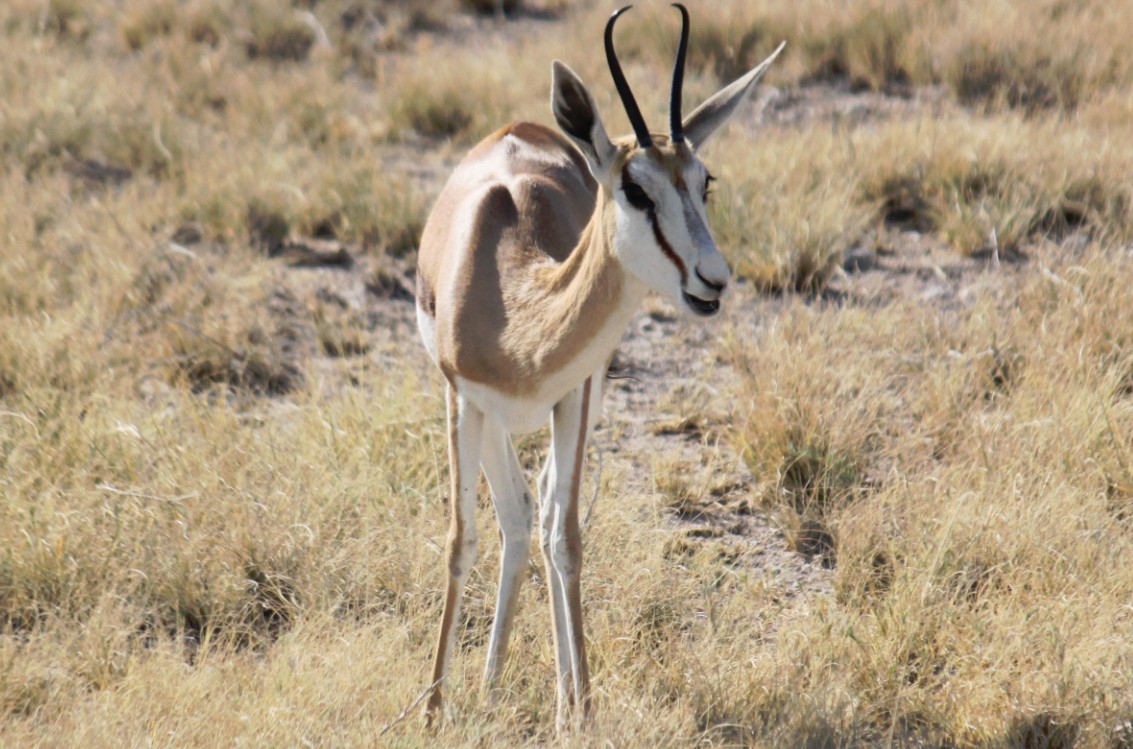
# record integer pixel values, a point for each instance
(637, 197)
(707, 187)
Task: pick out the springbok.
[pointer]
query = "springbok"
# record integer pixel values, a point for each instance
(532, 263)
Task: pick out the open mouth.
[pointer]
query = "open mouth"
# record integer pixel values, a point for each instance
(702, 307)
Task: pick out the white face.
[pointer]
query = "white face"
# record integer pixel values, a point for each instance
(662, 228)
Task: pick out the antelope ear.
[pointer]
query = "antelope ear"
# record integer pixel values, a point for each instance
(709, 116)
(577, 115)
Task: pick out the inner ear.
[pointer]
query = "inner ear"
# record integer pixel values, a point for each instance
(577, 116)
(573, 111)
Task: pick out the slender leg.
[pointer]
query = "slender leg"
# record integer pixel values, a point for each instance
(555, 594)
(466, 430)
(571, 422)
(514, 512)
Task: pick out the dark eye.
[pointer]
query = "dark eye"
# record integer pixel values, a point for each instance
(708, 187)
(637, 197)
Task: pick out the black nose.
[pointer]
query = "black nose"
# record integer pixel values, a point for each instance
(717, 287)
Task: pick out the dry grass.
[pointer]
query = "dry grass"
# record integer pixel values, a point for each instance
(966, 475)
(1006, 53)
(1024, 180)
(790, 208)
(207, 539)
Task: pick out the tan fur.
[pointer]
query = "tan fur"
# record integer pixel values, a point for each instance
(521, 291)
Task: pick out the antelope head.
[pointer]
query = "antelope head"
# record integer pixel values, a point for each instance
(656, 185)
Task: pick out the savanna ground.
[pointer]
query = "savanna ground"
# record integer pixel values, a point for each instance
(887, 499)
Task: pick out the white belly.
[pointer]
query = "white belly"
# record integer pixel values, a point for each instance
(518, 415)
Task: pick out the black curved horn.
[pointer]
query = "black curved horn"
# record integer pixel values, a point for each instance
(676, 131)
(630, 104)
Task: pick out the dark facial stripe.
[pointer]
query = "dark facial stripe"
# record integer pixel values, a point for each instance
(667, 248)
(659, 236)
